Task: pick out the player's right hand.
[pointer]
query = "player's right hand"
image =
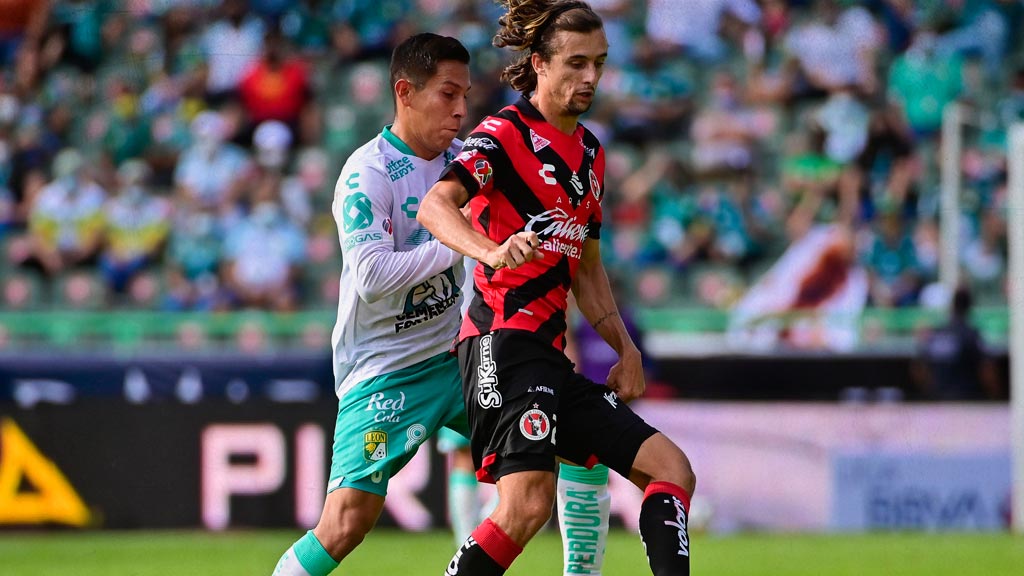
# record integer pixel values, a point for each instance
(520, 248)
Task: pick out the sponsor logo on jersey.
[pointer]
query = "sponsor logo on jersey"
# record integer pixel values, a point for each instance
(559, 232)
(480, 143)
(534, 424)
(595, 186)
(487, 394)
(400, 168)
(361, 237)
(375, 445)
(539, 142)
(386, 224)
(387, 409)
(482, 172)
(465, 155)
(577, 186)
(357, 213)
(428, 300)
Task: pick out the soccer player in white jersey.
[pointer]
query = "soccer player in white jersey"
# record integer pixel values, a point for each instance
(399, 304)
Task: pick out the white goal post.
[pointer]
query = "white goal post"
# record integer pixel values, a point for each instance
(1015, 233)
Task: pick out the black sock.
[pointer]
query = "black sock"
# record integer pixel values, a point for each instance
(663, 529)
(473, 560)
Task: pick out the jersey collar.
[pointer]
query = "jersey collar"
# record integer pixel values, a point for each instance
(396, 141)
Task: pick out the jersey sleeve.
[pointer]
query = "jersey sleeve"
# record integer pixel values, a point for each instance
(481, 152)
(363, 210)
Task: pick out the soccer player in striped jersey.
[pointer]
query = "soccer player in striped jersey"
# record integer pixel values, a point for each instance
(399, 305)
(532, 175)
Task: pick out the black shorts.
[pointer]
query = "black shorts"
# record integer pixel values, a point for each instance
(526, 406)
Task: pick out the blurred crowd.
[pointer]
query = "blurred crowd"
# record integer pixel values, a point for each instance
(181, 154)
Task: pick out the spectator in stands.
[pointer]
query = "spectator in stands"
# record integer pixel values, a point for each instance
(307, 25)
(885, 170)
(922, 81)
(66, 219)
(82, 29)
(810, 181)
(835, 50)
(974, 27)
(194, 259)
(725, 131)
(276, 87)
(211, 173)
(952, 360)
(891, 260)
(137, 226)
(263, 253)
(22, 23)
(696, 25)
(231, 44)
(650, 101)
(272, 141)
(984, 254)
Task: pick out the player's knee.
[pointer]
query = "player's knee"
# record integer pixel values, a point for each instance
(660, 460)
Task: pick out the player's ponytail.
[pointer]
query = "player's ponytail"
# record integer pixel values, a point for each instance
(529, 26)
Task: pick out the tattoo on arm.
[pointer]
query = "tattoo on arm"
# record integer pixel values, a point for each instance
(603, 318)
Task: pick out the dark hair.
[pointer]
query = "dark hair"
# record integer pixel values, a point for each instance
(530, 25)
(417, 57)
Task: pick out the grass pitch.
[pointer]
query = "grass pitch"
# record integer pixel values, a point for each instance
(394, 553)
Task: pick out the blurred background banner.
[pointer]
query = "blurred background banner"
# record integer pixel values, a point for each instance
(774, 467)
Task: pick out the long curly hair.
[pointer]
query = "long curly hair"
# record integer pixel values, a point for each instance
(529, 27)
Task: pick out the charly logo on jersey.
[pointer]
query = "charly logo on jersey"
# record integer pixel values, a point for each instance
(386, 225)
(534, 424)
(487, 395)
(428, 300)
(558, 232)
(480, 143)
(375, 445)
(595, 186)
(539, 142)
(387, 408)
(482, 171)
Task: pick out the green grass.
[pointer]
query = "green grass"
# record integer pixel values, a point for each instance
(393, 553)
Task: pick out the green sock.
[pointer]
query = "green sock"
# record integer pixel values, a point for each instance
(463, 507)
(307, 557)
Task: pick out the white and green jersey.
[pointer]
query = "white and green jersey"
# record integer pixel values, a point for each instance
(400, 287)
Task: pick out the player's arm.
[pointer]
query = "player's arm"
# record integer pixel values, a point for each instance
(594, 298)
(440, 213)
(362, 204)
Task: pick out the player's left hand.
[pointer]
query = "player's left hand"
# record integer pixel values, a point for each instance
(626, 377)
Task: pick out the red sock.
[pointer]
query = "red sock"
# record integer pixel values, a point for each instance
(493, 540)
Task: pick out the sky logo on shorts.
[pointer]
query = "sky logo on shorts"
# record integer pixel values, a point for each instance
(535, 425)
(487, 394)
(375, 445)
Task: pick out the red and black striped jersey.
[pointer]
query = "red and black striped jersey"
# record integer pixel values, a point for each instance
(522, 173)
